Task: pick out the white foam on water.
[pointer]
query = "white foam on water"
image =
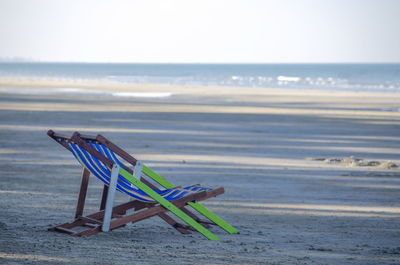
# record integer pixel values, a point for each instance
(70, 90)
(81, 91)
(142, 94)
(288, 78)
(52, 91)
(23, 91)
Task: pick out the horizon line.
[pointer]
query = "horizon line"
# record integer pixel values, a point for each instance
(204, 63)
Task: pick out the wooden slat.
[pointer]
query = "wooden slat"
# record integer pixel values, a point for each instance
(90, 220)
(64, 230)
(88, 232)
(90, 225)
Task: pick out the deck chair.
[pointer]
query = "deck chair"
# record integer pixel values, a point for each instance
(151, 194)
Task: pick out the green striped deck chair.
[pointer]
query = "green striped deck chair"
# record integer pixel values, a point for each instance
(152, 195)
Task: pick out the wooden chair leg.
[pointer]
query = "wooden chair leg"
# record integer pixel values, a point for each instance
(82, 193)
(104, 198)
(184, 229)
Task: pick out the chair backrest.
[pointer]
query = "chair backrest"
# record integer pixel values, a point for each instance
(101, 170)
(98, 159)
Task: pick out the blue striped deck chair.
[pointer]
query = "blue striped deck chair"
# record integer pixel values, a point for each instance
(152, 195)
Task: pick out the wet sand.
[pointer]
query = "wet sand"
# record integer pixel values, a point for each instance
(287, 159)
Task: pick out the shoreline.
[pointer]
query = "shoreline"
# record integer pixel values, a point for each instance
(225, 99)
(103, 85)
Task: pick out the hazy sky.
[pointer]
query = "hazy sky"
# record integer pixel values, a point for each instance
(201, 31)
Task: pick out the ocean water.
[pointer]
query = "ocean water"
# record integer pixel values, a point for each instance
(355, 77)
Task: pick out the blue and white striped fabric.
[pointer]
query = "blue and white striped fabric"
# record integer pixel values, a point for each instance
(102, 172)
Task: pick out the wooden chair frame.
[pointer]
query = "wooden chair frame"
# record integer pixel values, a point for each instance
(112, 217)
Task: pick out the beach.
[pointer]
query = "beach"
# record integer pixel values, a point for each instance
(310, 176)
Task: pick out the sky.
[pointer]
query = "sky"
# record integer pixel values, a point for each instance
(206, 31)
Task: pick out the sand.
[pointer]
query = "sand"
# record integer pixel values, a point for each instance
(288, 160)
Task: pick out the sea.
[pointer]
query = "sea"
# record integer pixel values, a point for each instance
(349, 77)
